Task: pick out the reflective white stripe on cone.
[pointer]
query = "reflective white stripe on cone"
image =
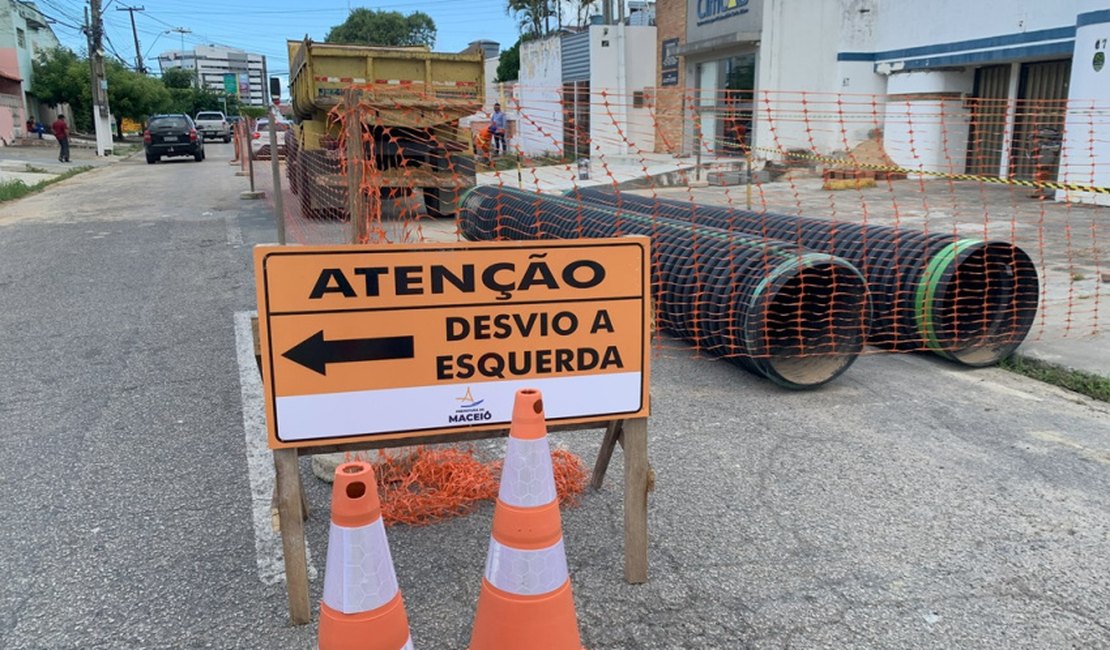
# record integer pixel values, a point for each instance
(526, 572)
(527, 479)
(365, 580)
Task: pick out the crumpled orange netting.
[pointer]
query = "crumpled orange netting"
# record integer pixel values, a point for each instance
(428, 485)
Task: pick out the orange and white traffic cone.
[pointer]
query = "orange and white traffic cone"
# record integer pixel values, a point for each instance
(526, 601)
(362, 607)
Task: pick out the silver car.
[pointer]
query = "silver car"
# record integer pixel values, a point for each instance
(213, 124)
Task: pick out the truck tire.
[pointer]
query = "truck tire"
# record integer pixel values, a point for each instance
(291, 176)
(440, 202)
(291, 158)
(151, 158)
(227, 138)
(307, 212)
(433, 202)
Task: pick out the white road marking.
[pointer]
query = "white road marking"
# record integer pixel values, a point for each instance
(260, 464)
(234, 233)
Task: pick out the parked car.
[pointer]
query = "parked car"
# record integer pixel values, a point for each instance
(213, 124)
(260, 138)
(172, 135)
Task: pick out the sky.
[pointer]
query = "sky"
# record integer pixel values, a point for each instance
(262, 26)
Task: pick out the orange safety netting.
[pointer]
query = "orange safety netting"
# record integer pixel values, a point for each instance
(431, 484)
(1029, 173)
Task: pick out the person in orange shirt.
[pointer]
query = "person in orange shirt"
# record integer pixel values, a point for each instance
(482, 141)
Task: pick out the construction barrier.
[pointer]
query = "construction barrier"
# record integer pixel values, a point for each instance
(1023, 178)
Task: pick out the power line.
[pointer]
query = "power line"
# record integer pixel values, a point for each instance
(112, 49)
(31, 5)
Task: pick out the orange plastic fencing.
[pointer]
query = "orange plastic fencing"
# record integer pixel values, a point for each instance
(428, 485)
(1029, 173)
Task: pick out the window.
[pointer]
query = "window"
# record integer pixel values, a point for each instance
(169, 122)
(21, 37)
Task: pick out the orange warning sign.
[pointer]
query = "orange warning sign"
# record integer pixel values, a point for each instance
(390, 342)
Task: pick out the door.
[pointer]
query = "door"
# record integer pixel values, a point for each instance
(576, 119)
(989, 106)
(1039, 119)
(736, 78)
(705, 122)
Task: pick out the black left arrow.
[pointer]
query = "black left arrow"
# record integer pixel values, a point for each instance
(315, 353)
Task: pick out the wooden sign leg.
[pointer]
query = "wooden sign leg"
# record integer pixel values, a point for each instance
(288, 485)
(608, 444)
(637, 483)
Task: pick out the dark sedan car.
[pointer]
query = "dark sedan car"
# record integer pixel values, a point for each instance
(172, 135)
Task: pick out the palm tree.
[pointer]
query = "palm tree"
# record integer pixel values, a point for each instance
(531, 14)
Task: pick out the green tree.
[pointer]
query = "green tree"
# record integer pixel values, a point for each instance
(179, 78)
(385, 28)
(533, 16)
(61, 77)
(134, 95)
(584, 9)
(508, 65)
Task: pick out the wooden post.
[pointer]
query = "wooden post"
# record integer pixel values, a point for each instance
(637, 483)
(288, 484)
(608, 444)
(355, 161)
(275, 171)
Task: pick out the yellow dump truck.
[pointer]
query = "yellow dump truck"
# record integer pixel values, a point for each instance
(410, 100)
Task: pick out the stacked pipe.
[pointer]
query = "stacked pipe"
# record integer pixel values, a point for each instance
(968, 300)
(792, 315)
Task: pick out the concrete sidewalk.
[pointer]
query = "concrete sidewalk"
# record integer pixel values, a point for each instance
(32, 164)
(643, 170)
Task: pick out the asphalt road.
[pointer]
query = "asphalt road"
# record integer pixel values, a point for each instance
(909, 504)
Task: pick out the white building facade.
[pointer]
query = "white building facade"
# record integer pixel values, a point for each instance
(587, 93)
(949, 85)
(25, 33)
(212, 63)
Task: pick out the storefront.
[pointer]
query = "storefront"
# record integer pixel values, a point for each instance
(720, 56)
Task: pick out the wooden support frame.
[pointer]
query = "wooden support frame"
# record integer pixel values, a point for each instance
(292, 508)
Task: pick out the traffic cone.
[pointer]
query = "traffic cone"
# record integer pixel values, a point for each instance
(526, 601)
(362, 607)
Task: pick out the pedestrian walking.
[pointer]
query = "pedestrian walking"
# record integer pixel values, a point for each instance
(61, 132)
(497, 126)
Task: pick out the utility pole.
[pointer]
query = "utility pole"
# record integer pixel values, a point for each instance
(102, 116)
(182, 31)
(134, 32)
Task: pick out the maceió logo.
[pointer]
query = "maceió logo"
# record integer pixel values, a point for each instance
(469, 410)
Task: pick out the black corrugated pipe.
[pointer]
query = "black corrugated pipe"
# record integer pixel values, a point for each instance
(794, 316)
(968, 300)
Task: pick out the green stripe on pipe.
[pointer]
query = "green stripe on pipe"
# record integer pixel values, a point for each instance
(927, 289)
